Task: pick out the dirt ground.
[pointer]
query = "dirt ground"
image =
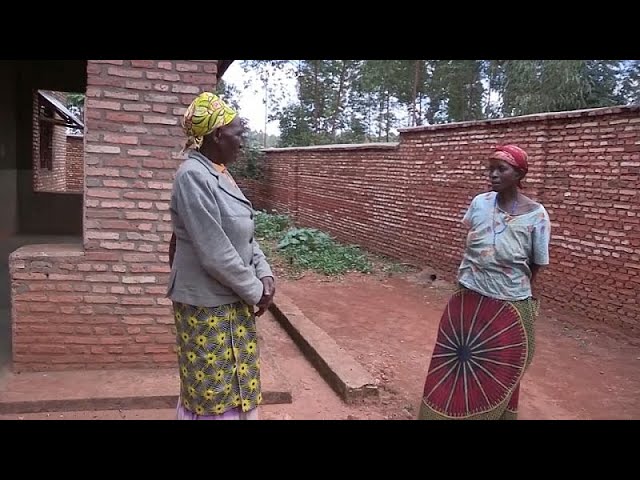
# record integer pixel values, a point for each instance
(389, 324)
(313, 399)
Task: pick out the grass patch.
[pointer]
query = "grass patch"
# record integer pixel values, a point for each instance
(312, 249)
(297, 250)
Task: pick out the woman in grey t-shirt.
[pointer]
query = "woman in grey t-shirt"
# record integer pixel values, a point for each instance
(486, 337)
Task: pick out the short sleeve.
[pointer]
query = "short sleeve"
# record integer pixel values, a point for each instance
(541, 237)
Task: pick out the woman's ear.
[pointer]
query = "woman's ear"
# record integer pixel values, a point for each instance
(519, 174)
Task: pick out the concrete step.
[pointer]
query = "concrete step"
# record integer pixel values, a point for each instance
(124, 389)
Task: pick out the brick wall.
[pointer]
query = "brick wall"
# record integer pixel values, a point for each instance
(102, 305)
(44, 179)
(407, 200)
(75, 164)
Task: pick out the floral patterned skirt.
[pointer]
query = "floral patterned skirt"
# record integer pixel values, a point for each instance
(219, 360)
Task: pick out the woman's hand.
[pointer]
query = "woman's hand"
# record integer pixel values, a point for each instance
(268, 292)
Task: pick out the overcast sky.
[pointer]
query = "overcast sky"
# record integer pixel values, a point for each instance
(251, 100)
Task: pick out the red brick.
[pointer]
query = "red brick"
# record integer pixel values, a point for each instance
(138, 85)
(159, 330)
(48, 349)
(83, 340)
(102, 149)
(121, 95)
(106, 81)
(153, 163)
(93, 115)
(117, 245)
(159, 186)
(159, 349)
(159, 98)
(123, 117)
(169, 77)
(66, 298)
(139, 279)
(135, 129)
(138, 320)
(211, 67)
(44, 307)
(110, 224)
(196, 78)
(29, 276)
(115, 340)
(121, 162)
(138, 152)
(100, 299)
(102, 278)
(93, 69)
(164, 120)
(141, 216)
(136, 107)
(121, 72)
(161, 132)
(103, 193)
(143, 63)
(141, 196)
(179, 88)
(122, 139)
(102, 104)
(187, 67)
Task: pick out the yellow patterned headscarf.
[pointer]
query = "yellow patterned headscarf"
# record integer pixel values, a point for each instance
(206, 113)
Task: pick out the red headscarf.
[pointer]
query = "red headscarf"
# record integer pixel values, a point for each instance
(514, 156)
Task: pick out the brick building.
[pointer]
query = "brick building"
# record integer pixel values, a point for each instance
(97, 303)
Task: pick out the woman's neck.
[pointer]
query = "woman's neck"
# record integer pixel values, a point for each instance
(211, 152)
(212, 158)
(507, 197)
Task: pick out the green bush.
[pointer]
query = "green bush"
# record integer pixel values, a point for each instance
(311, 249)
(271, 226)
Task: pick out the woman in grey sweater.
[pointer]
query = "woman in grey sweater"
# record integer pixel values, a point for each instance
(218, 271)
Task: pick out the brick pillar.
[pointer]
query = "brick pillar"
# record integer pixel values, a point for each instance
(133, 143)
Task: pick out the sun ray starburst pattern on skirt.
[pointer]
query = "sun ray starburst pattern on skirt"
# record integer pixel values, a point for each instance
(482, 350)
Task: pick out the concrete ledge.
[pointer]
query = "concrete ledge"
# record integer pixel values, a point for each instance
(87, 404)
(534, 117)
(53, 250)
(114, 403)
(341, 371)
(337, 146)
(113, 389)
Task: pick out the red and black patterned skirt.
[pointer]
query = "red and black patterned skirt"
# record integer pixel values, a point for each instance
(481, 353)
